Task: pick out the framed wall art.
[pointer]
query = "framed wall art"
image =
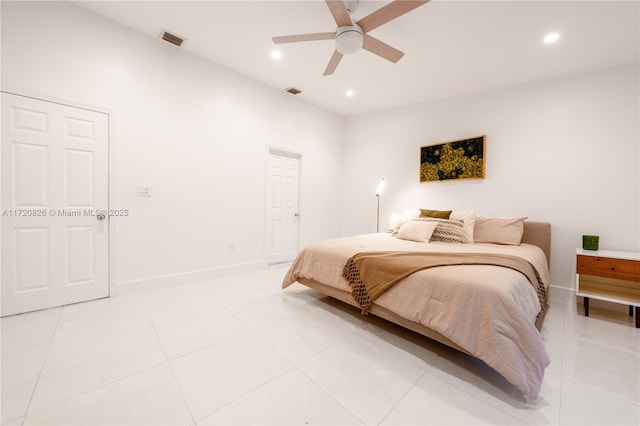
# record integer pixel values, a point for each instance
(454, 160)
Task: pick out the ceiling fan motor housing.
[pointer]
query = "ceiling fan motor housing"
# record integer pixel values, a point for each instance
(349, 39)
(351, 5)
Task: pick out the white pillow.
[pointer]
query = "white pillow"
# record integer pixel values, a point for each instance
(499, 230)
(411, 214)
(417, 231)
(468, 219)
(395, 221)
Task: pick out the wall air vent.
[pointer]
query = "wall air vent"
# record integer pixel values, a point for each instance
(292, 90)
(172, 38)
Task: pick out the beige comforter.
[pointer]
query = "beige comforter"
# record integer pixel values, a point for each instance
(488, 311)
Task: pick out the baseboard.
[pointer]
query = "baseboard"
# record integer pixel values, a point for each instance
(561, 293)
(133, 286)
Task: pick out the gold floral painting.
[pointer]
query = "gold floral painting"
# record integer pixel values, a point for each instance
(460, 159)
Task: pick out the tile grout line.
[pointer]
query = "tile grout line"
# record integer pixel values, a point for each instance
(485, 403)
(402, 398)
(595, 389)
(293, 366)
(564, 333)
(249, 331)
(328, 394)
(359, 328)
(173, 374)
(248, 392)
(46, 355)
(108, 383)
(338, 341)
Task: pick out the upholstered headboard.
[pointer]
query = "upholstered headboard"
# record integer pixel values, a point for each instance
(538, 234)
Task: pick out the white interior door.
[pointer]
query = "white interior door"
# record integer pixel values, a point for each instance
(54, 185)
(282, 208)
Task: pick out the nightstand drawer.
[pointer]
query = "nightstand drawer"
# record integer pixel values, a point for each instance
(621, 269)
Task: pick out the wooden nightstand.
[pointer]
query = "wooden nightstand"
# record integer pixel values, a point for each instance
(609, 275)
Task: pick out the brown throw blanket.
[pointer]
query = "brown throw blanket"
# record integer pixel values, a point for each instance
(372, 273)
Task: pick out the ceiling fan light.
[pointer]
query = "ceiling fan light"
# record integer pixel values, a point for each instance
(349, 39)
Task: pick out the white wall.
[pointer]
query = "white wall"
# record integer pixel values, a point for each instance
(564, 151)
(196, 132)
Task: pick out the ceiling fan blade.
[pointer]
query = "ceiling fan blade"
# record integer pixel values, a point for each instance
(333, 63)
(339, 12)
(303, 37)
(387, 13)
(381, 49)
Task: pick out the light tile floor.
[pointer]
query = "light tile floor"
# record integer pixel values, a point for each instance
(240, 350)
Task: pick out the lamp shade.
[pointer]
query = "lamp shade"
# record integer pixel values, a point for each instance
(381, 186)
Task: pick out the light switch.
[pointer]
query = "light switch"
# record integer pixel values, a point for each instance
(144, 191)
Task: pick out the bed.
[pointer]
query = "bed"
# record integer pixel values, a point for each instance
(489, 312)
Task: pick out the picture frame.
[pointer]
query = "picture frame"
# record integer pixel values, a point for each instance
(461, 159)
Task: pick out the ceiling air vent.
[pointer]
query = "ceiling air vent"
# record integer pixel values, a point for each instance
(292, 90)
(172, 38)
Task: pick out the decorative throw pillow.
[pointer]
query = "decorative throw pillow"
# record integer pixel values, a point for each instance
(447, 231)
(468, 219)
(417, 231)
(439, 214)
(499, 230)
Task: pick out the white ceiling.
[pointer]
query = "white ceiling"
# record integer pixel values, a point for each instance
(451, 48)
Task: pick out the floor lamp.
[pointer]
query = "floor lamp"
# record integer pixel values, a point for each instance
(381, 185)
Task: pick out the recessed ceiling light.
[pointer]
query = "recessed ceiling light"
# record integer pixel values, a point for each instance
(276, 54)
(551, 38)
(349, 93)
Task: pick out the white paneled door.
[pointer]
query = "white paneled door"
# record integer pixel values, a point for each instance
(54, 196)
(282, 208)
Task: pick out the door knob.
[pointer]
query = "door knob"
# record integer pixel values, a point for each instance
(296, 214)
(101, 216)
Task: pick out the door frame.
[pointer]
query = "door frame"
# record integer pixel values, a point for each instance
(283, 152)
(111, 179)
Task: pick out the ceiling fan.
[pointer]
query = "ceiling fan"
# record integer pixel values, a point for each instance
(350, 36)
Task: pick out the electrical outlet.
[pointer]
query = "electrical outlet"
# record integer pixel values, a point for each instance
(144, 191)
